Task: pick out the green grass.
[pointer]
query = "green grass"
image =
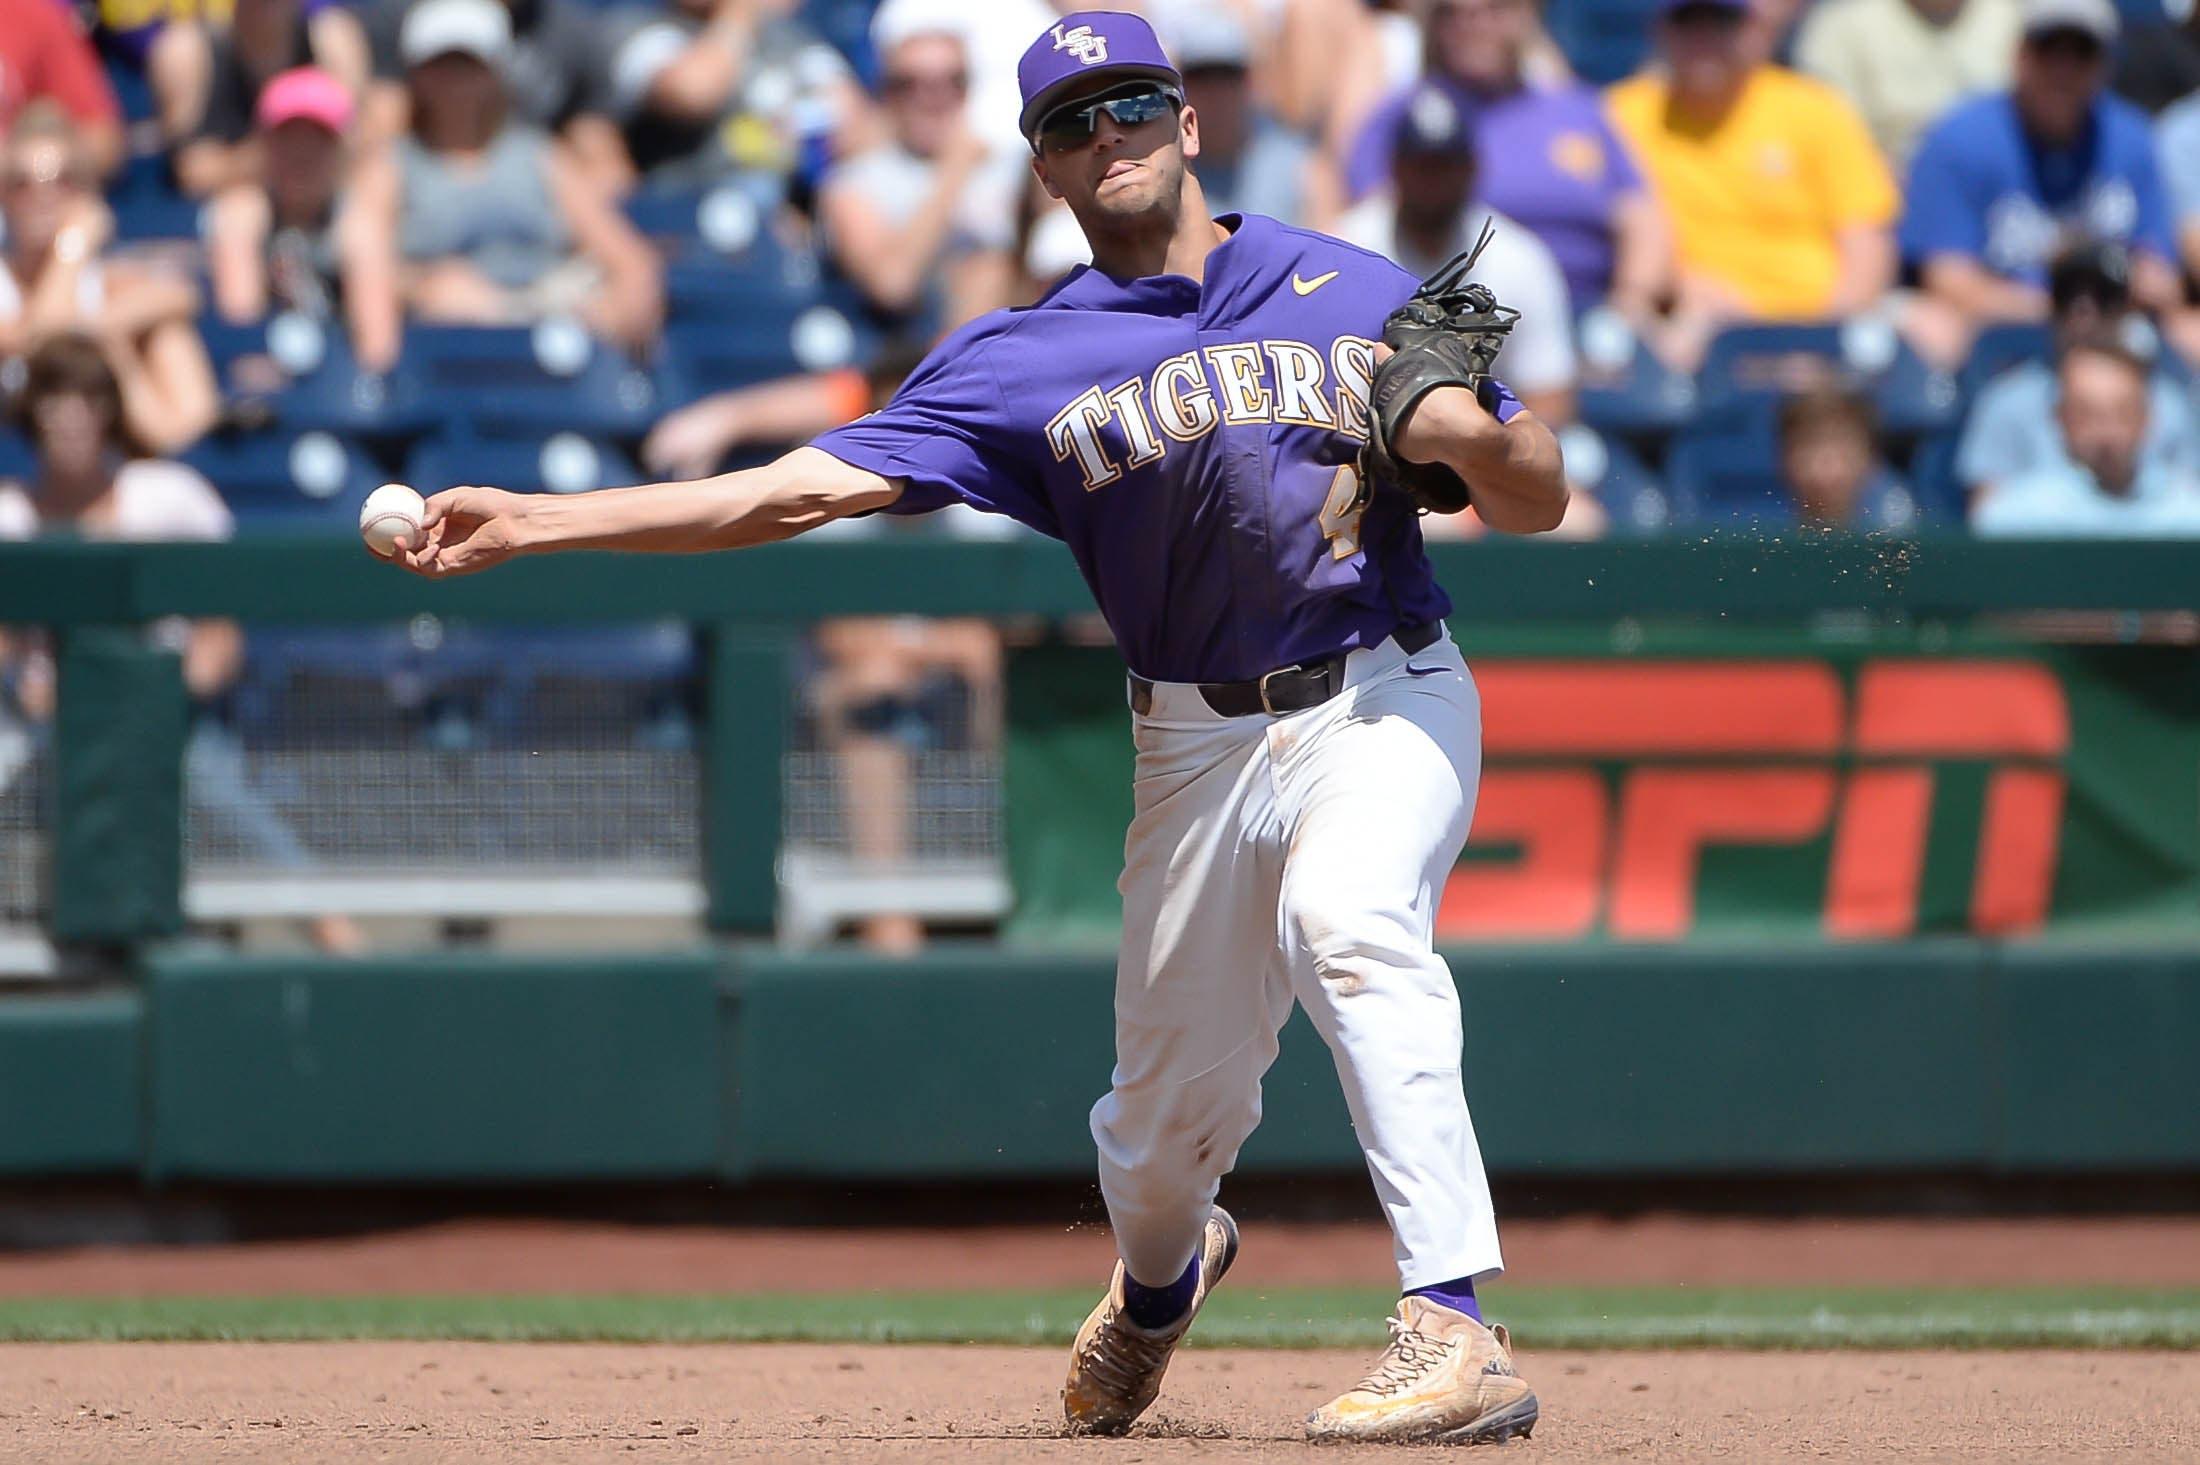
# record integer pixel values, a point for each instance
(1553, 1317)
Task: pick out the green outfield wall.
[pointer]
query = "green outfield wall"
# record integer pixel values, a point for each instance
(1793, 858)
(1942, 1057)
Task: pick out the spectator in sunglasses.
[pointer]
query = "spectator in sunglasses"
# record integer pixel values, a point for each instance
(923, 223)
(56, 277)
(2009, 180)
(1248, 161)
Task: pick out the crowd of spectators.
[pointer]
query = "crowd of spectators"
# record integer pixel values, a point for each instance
(1976, 222)
(2003, 181)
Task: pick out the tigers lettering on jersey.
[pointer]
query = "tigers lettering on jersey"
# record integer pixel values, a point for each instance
(1242, 383)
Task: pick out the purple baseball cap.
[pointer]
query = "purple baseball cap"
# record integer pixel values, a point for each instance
(1082, 45)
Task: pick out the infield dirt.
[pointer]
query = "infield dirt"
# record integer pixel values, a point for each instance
(495, 1403)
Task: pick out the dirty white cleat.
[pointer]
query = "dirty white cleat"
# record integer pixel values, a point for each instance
(1444, 1379)
(1115, 1366)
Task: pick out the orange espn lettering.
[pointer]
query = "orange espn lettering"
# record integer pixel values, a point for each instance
(1678, 726)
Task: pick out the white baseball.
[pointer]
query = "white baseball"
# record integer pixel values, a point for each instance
(389, 511)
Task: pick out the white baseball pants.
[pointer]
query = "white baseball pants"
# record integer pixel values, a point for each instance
(1273, 859)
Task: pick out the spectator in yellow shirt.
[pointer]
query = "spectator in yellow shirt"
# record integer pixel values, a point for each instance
(1781, 206)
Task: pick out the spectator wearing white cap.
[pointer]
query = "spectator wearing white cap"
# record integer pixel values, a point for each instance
(2008, 181)
(924, 222)
(287, 242)
(557, 77)
(994, 33)
(493, 225)
(207, 81)
(707, 88)
(1248, 161)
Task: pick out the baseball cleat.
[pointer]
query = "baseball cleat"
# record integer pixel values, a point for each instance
(1444, 1379)
(1115, 1366)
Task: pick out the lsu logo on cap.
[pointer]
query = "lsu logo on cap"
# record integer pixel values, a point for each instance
(1088, 48)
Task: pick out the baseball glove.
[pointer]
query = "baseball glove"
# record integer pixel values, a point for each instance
(1447, 335)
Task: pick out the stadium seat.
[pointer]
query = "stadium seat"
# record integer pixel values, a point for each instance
(147, 205)
(550, 376)
(1725, 465)
(299, 373)
(288, 482)
(2000, 347)
(1867, 355)
(562, 462)
(1634, 500)
(1604, 40)
(1940, 496)
(1625, 390)
(783, 335)
(17, 460)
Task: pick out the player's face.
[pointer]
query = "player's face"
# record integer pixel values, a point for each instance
(1119, 172)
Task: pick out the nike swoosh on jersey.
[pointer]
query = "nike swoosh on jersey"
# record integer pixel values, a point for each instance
(1421, 671)
(1308, 287)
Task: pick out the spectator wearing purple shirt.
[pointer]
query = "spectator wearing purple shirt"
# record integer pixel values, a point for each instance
(1550, 159)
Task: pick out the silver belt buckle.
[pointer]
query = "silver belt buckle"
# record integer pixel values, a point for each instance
(1265, 705)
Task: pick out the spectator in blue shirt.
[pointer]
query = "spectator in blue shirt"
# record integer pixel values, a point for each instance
(2011, 430)
(2009, 180)
(2177, 144)
(2103, 484)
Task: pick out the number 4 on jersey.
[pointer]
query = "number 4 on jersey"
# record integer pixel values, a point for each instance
(1340, 516)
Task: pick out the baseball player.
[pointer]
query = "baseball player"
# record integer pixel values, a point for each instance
(1233, 424)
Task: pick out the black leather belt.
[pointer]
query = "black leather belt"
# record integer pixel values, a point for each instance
(1287, 688)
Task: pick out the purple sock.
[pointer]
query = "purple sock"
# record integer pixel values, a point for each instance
(1457, 1294)
(1154, 1308)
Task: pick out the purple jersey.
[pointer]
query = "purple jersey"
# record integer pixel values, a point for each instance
(1194, 445)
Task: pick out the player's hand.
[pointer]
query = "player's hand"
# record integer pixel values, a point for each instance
(464, 530)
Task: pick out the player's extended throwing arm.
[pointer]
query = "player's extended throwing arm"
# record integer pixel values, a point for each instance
(469, 529)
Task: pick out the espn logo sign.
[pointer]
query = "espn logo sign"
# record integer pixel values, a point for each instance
(1751, 753)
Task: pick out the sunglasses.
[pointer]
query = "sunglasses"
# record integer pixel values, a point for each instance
(1073, 126)
(901, 84)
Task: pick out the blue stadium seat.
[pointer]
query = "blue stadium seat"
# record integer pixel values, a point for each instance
(1625, 390)
(2000, 347)
(17, 460)
(1868, 356)
(847, 24)
(783, 335)
(147, 204)
(1634, 500)
(1932, 475)
(521, 379)
(1725, 464)
(301, 373)
(1604, 40)
(562, 462)
(283, 481)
